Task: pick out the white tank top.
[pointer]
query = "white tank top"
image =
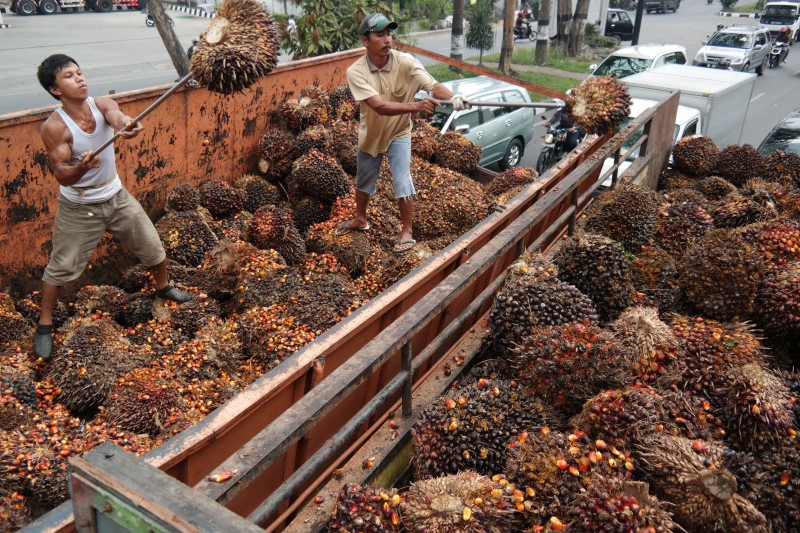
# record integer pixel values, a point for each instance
(101, 183)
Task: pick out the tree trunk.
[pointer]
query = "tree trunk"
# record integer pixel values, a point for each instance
(507, 48)
(457, 35)
(543, 37)
(576, 28)
(563, 19)
(176, 52)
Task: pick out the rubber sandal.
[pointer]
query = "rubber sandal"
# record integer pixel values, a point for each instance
(404, 246)
(172, 293)
(43, 342)
(343, 229)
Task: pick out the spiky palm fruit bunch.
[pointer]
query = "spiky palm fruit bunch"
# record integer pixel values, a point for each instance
(93, 353)
(257, 267)
(691, 474)
(142, 401)
(647, 344)
(425, 140)
(599, 104)
(14, 514)
(778, 241)
(714, 187)
(272, 227)
(183, 197)
(191, 316)
(29, 306)
(529, 303)
(773, 482)
(625, 507)
(567, 364)
(672, 180)
(218, 274)
(782, 167)
(312, 138)
(654, 273)
(14, 326)
(692, 196)
(309, 109)
(709, 350)
(221, 199)
(277, 148)
(351, 250)
(680, 225)
(553, 467)
(458, 153)
(136, 278)
(531, 266)
(106, 299)
(138, 310)
(396, 267)
(13, 414)
(777, 305)
(233, 228)
(321, 175)
(366, 508)
(500, 202)
(466, 502)
(511, 179)
(626, 214)
(258, 191)
(720, 274)
(695, 156)
(310, 210)
(745, 206)
(757, 408)
(269, 335)
(240, 46)
(343, 145)
(737, 164)
(624, 417)
(471, 427)
(343, 105)
(186, 236)
(20, 385)
(599, 268)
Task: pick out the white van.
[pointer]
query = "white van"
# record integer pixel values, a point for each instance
(779, 15)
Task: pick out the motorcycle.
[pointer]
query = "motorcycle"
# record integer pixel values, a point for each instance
(523, 29)
(709, 2)
(778, 53)
(555, 147)
(150, 21)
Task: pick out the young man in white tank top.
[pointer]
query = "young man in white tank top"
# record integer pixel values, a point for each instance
(92, 199)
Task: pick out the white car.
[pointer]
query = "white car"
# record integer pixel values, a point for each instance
(449, 21)
(635, 59)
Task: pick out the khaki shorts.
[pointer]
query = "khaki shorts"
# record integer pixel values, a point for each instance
(79, 227)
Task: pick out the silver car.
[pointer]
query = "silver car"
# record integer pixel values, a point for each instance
(747, 48)
(502, 132)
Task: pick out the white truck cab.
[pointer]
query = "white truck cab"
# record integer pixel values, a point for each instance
(777, 15)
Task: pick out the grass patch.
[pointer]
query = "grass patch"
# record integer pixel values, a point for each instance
(527, 56)
(554, 82)
(749, 8)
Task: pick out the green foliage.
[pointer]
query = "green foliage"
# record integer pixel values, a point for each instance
(480, 34)
(592, 37)
(526, 55)
(727, 4)
(558, 83)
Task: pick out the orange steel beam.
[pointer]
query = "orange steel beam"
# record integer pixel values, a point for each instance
(476, 69)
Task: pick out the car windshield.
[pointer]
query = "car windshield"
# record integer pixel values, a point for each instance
(780, 12)
(730, 40)
(621, 67)
(786, 139)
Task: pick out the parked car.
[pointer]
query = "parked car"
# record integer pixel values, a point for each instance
(785, 136)
(502, 132)
(747, 48)
(449, 22)
(662, 6)
(777, 15)
(634, 59)
(619, 24)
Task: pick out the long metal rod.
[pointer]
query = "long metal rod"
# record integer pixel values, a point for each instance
(544, 105)
(405, 366)
(178, 84)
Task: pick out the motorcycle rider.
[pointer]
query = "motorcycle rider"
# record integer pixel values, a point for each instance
(522, 23)
(785, 39)
(563, 119)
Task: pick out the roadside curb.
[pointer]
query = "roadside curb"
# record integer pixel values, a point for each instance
(191, 11)
(739, 15)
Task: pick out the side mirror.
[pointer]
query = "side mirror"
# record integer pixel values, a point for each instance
(704, 41)
(593, 66)
(758, 47)
(462, 128)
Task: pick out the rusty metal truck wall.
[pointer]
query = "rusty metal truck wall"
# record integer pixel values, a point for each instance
(193, 136)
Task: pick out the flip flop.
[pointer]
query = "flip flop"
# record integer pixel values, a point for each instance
(344, 230)
(404, 246)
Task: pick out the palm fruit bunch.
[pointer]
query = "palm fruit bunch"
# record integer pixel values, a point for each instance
(599, 104)
(624, 417)
(29, 306)
(13, 414)
(14, 514)
(671, 179)
(138, 310)
(509, 179)
(743, 207)
(773, 477)
(680, 225)
(566, 364)
(86, 364)
(691, 474)
(782, 167)
(425, 140)
(737, 164)
(626, 214)
(218, 274)
(343, 105)
(239, 47)
(13, 325)
(106, 299)
(778, 241)
(709, 350)
(366, 508)
(258, 192)
(272, 227)
(647, 344)
(321, 175)
(269, 335)
(757, 408)
(553, 467)
(777, 306)
(688, 195)
(313, 137)
(343, 145)
(20, 385)
(529, 303)
(310, 210)
(599, 268)
(142, 401)
(186, 236)
(458, 153)
(654, 273)
(189, 317)
(255, 273)
(471, 427)
(221, 199)
(714, 187)
(695, 156)
(397, 266)
(233, 228)
(277, 148)
(183, 197)
(463, 502)
(310, 109)
(620, 506)
(351, 250)
(531, 266)
(719, 275)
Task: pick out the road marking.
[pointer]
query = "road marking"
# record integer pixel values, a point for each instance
(756, 97)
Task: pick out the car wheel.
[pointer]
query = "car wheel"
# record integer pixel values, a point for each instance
(47, 7)
(513, 155)
(545, 161)
(104, 6)
(26, 7)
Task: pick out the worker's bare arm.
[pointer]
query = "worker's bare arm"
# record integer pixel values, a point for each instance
(117, 118)
(58, 142)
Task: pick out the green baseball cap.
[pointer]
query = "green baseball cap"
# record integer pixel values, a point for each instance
(376, 22)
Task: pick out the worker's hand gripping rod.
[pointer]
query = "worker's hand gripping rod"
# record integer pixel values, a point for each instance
(543, 105)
